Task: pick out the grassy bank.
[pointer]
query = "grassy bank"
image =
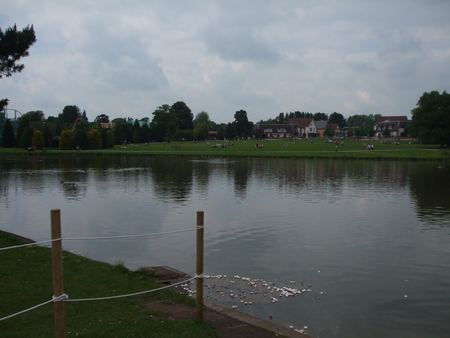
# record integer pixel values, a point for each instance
(319, 148)
(26, 280)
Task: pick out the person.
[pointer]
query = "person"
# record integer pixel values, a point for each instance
(336, 147)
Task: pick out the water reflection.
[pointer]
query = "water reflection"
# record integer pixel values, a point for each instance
(359, 222)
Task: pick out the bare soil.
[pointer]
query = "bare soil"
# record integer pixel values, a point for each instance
(228, 323)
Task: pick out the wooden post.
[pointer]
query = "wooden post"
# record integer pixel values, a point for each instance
(199, 270)
(57, 265)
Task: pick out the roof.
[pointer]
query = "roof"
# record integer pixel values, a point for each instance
(321, 124)
(391, 118)
(301, 123)
(334, 126)
(289, 128)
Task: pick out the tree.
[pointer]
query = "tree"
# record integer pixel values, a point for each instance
(163, 119)
(109, 139)
(14, 45)
(183, 114)
(95, 139)
(337, 118)
(26, 138)
(66, 140)
(35, 116)
(431, 118)
(320, 117)
(102, 119)
(37, 141)
(69, 115)
(201, 131)
(328, 132)
(8, 140)
(23, 124)
(80, 138)
(201, 117)
(243, 127)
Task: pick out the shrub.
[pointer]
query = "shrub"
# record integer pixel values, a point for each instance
(37, 141)
(95, 139)
(66, 140)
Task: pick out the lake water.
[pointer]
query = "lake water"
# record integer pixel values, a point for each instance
(372, 238)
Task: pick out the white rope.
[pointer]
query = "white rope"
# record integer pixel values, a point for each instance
(94, 238)
(128, 236)
(131, 294)
(61, 298)
(31, 308)
(30, 244)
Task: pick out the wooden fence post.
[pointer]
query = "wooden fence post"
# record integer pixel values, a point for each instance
(57, 266)
(199, 270)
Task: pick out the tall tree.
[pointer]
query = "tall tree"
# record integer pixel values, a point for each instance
(183, 114)
(102, 118)
(337, 118)
(14, 45)
(243, 126)
(69, 115)
(201, 117)
(8, 140)
(320, 117)
(163, 119)
(431, 118)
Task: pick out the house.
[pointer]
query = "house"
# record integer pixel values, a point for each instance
(266, 130)
(336, 129)
(396, 125)
(321, 125)
(307, 127)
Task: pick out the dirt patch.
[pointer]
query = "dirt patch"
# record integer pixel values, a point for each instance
(228, 323)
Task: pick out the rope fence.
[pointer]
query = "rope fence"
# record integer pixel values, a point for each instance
(98, 238)
(58, 285)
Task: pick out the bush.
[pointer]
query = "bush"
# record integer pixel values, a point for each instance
(38, 141)
(95, 139)
(109, 139)
(66, 140)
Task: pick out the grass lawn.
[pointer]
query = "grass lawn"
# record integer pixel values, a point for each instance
(26, 281)
(319, 148)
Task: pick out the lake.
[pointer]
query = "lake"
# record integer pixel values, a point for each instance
(370, 239)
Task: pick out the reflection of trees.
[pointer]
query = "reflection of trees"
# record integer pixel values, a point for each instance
(202, 171)
(241, 171)
(172, 177)
(430, 189)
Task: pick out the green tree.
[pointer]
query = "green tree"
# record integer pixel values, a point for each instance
(66, 140)
(320, 117)
(26, 138)
(14, 45)
(243, 126)
(337, 118)
(8, 139)
(201, 131)
(201, 118)
(109, 139)
(231, 131)
(80, 138)
(102, 118)
(23, 124)
(183, 114)
(38, 140)
(328, 132)
(431, 118)
(35, 116)
(69, 115)
(163, 119)
(95, 139)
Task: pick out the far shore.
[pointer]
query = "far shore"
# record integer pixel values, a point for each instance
(317, 148)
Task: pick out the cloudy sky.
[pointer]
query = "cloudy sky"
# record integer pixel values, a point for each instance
(126, 58)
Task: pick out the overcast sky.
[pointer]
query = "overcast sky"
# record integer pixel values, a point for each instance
(126, 58)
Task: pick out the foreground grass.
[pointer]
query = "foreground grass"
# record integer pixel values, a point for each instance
(26, 280)
(319, 148)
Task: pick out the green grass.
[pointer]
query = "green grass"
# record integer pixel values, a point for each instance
(272, 148)
(26, 280)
